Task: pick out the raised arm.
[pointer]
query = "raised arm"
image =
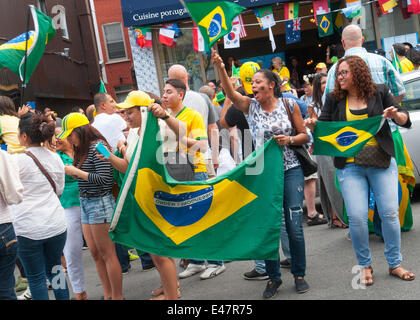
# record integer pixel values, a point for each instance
(241, 102)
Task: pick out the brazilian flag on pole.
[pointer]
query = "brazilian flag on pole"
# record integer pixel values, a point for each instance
(12, 53)
(236, 216)
(213, 18)
(344, 138)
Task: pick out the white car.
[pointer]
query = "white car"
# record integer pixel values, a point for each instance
(411, 103)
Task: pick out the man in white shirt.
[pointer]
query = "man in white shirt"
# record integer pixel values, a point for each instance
(107, 122)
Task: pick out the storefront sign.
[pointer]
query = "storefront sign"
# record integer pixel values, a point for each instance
(138, 13)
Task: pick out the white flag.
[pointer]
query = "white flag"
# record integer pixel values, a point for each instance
(232, 38)
(273, 43)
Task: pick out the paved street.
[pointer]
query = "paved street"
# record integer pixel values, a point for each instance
(330, 260)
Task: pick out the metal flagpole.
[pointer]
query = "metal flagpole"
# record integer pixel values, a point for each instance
(22, 93)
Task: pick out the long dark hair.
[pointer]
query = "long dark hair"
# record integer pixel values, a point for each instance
(272, 77)
(37, 127)
(317, 92)
(87, 135)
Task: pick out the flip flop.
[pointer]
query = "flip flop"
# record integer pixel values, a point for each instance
(316, 220)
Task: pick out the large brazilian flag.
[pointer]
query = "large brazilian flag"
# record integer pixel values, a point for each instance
(344, 138)
(236, 216)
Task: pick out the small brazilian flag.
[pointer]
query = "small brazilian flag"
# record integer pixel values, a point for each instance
(344, 138)
(236, 216)
(325, 25)
(213, 18)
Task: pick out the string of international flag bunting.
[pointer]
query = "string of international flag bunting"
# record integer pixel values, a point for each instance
(328, 17)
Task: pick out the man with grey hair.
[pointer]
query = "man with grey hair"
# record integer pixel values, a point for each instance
(381, 68)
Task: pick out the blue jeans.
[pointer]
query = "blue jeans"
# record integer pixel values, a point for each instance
(354, 183)
(41, 260)
(199, 176)
(284, 240)
(123, 257)
(8, 253)
(294, 184)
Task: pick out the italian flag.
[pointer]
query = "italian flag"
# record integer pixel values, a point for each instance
(166, 36)
(199, 44)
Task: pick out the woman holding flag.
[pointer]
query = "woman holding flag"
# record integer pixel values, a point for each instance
(357, 97)
(268, 118)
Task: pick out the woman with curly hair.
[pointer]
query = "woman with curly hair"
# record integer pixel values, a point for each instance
(355, 97)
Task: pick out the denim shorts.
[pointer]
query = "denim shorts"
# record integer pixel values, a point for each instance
(97, 210)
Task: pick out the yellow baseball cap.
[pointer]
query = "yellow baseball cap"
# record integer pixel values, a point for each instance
(320, 65)
(246, 72)
(71, 122)
(136, 98)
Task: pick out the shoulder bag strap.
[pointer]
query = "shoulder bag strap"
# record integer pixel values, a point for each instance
(44, 172)
(289, 113)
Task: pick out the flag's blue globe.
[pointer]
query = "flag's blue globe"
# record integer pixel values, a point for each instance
(215, 26)
(184, 209)
(346, 138)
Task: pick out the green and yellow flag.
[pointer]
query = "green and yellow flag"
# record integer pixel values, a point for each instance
(236, 216)
(344, 138)
(213, 18)
(325, 25)
(12, 53)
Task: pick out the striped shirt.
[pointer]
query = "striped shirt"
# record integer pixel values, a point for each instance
(382, 70)
(100, 178)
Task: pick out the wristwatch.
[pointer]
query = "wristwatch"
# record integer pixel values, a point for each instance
(291, 140)
(167, 115)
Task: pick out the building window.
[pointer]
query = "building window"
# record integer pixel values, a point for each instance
(114, 41)
(121, 92)
(42, 6)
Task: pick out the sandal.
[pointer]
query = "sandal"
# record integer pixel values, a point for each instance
(404, 275)
(367, 280)
(162, 296)
(339, 225)
(316, 220)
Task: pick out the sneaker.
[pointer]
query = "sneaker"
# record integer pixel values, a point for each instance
(26, 295)
(148, 267)
(285, 263)
(212, 270)
(191, 270)
(125, 271)
(132, 256)
(254, 275)
(21, 284)
(272, 288)
(301, 285)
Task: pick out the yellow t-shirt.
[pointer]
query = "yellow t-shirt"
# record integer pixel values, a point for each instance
(350, 116)
(284, 72)
(194, 124)
(9, 133)
(406, 65)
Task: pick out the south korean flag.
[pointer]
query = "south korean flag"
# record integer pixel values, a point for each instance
(232, 38)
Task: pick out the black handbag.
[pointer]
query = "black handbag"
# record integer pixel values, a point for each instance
(179, 166)
(308, 165)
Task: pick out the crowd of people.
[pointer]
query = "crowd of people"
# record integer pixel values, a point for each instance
(59, 187)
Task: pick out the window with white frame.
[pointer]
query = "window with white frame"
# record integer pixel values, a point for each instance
(114, 41)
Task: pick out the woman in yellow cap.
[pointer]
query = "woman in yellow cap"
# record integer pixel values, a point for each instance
(97, 203)
(132, 108)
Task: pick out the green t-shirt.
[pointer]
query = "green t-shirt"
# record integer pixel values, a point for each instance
(70, 196)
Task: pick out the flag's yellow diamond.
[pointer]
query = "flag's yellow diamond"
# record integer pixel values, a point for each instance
(183, 211)
(347, 138)
(214, 22)
(324, 24)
